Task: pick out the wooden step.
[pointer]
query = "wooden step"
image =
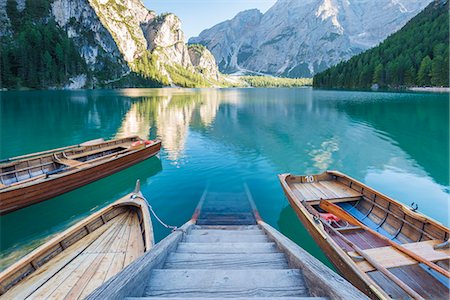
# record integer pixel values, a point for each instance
(251, 248)
(234, 298)
(225, 221)
(226, 227)
(235, 261)
(226, 283)
(232, 238)
(226, 232)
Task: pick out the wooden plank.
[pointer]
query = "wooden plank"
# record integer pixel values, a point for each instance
(135, 246)
(69, 162)
(74, 285)
(303, 191)
(226, 232)
(417, 278)
(235, 261)
(226, 283)
(61, 283)
(389, 257)
(228, 239)
(234, 298)
(317, 192)
(251, 248)
(115, 257)
(98, 150)
(47, 271)
(340, 189)
(329, 193)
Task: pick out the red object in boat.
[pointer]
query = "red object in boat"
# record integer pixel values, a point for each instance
(329, 217)
(137, 143)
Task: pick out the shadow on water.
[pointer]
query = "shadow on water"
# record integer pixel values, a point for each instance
(23, 230)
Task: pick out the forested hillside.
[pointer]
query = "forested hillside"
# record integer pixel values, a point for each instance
(39, 53)
(416, 55)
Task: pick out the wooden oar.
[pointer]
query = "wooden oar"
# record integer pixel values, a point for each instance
(342, 214)
(380, 292)
(38, 153)
(376, 264)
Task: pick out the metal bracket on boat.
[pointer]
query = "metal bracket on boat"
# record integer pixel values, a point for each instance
(444, 245)
(316, 218)
(414, 206)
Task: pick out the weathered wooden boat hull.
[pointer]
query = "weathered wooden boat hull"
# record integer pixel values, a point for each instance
(339, 258)
(343, 266)
(80, 259)
(18, 197)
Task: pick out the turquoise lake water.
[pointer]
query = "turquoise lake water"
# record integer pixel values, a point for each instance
(398, 143)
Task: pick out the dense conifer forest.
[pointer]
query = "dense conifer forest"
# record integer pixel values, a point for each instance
(38, 53)
(416, 55)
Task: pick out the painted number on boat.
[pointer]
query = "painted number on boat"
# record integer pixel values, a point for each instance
(309, 179)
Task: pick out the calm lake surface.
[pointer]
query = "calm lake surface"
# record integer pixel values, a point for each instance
(397, 143)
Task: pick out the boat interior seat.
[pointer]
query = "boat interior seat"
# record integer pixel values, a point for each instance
(69, 162)
(389, 257)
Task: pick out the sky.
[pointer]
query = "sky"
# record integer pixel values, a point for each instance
(197, 15)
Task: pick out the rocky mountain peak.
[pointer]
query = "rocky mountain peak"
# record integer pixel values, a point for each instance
(299, 38)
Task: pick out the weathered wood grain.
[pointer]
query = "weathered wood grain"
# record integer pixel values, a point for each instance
(223, 261)
(225, 283)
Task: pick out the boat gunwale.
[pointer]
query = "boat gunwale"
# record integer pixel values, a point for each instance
(21, 158)
(130, 200)
(72, 170)
(407, 210)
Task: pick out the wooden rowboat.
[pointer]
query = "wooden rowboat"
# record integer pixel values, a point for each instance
(386, 249)
(32, 178)
(226, 251)
(75, 262)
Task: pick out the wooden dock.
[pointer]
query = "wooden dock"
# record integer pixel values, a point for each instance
(227, 251)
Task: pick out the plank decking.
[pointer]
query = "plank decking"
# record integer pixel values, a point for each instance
(85, 265)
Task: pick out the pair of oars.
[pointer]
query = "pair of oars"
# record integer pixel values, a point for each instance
(342, 214)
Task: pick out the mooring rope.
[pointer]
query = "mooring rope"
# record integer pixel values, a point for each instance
(174, 228)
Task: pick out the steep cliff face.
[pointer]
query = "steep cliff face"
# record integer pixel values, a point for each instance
(166, 39)
(229, 40)
(120, 41)
(93, 39)
(204, 61)
(298, 38)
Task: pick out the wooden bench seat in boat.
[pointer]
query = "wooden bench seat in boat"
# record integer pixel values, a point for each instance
(69, 162)
(330, 190)
(99, 150)
(78, 260)
(389, 257)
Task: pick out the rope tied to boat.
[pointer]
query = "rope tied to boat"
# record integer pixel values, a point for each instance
(174, 228)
